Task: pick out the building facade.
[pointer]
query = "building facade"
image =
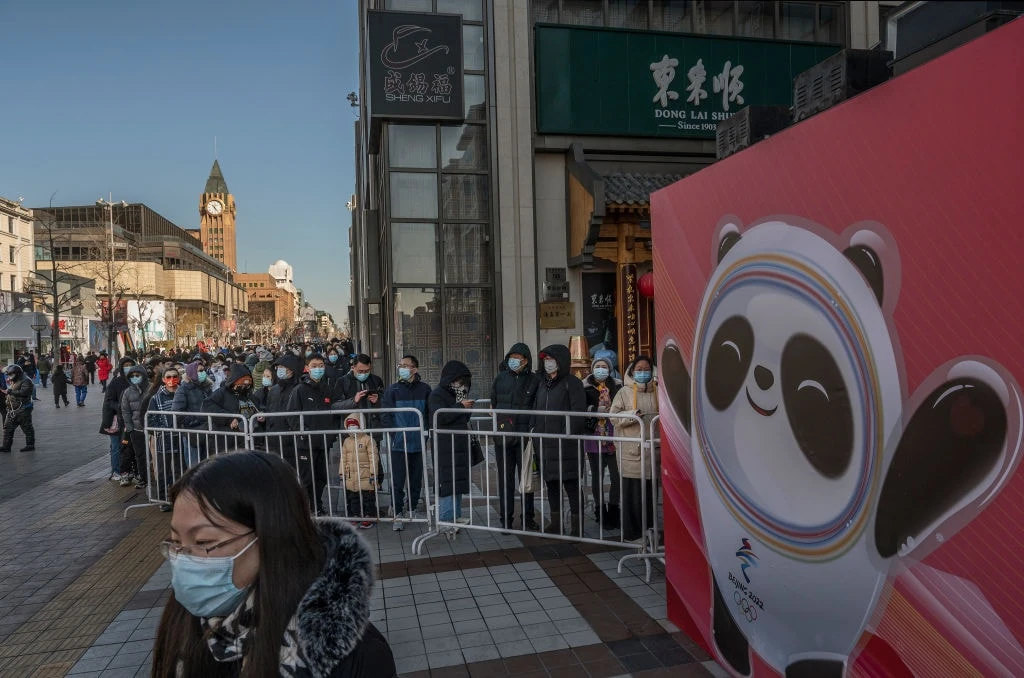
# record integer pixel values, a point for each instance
(134, 253)
(16, 246)
(217, 220)
(271, 307)
(527, 217)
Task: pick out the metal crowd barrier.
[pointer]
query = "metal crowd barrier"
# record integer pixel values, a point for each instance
(569, 485)
(349, 474)
(653, 548)
(177, 441)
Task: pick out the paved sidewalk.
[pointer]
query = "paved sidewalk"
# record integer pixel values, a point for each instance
(82, 588)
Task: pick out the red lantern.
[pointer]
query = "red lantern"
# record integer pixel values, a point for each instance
(645, 285)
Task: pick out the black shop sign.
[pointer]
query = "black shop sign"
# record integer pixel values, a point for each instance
(415, 65)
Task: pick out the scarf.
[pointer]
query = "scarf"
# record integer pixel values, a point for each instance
(228, 636)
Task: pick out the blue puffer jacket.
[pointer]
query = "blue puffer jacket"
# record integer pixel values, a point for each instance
(406, 394)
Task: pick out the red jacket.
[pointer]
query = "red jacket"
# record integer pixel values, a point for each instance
(103, 367)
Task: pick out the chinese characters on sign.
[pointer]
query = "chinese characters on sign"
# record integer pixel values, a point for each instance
(630, 337)
(557, 315)
(416, 65)
(728, 83)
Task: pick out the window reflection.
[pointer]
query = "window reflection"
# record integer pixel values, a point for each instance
(469, 330)
(409, 5)
(469, 9)
(672, 15)
(797, 21)
(473, 48)
(418, 329)
(464, 196)
(475, 95)
(466, 255)
(464, 148)
(627, 13)
(412, 146)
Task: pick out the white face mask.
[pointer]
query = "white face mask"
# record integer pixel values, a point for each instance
(550, 366)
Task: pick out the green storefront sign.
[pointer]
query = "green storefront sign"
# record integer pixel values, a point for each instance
(631, 83)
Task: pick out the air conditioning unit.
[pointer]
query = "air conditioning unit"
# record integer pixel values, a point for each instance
(845, 74)
(748, 126)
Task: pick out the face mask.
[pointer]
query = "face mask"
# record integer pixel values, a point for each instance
(514, 364)
(600, 373)
(361, 376)
(353, 428)
(267, 381)
(172, 381)
(642, 377)
(333, 358)
(282, 373)
(135, 380)
(242, 389)
(309, 353)
(460, 391)
(404, 373)
(205, 586)
(201, 377)
(317, 373)
(550, 366)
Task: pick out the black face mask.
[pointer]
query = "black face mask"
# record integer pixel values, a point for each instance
(242, 390)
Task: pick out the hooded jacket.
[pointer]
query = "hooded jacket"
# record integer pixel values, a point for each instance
(641, 399)
(280, 392)
(406, 394)
(332, 626)
(515, 391)
(112, 396)
(190, 396)
(452, 449)
(560, 459)
(131, 401)
(224, 400)
(313, 396)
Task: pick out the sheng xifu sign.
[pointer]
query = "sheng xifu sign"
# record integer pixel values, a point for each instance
(415, 65)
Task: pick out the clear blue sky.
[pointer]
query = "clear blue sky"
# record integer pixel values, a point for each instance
(125, 97)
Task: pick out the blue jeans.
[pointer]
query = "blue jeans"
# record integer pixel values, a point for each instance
(115, 453)
(80, 393)
(449, 508)
(191, 449)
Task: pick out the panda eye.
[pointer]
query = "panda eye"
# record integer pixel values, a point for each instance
(811, 383)
(822, 427)
(728, 361)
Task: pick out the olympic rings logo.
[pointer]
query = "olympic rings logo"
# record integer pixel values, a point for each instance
(749, 611)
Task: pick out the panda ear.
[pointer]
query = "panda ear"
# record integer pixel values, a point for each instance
(672, 372)
(728, 236)
(960, 446)
(869, 264)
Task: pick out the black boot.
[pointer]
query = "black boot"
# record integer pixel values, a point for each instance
(28, 448)
(610, 519)
(574, 528)
(556, 523)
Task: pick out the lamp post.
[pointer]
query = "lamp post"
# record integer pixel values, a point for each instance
(39, 323)
(111, 333)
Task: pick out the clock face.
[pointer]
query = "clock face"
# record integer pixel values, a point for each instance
(214, 208)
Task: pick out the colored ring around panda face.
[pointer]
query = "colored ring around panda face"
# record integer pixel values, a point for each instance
(795, 277)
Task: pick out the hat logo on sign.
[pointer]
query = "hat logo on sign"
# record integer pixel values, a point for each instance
(391, 57)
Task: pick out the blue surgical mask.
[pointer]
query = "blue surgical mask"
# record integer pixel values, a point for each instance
(309, 353)
(205, 586)
(201, 377)
(317, 373)
(404, 373)
(514, 364)
(267, 381)
(333, 358)
(642, 377)
(282, 372)
(361, 376)
(600, 373)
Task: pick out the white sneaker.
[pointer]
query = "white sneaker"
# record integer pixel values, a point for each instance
(125, 481)
(397, 526)
(115, 477)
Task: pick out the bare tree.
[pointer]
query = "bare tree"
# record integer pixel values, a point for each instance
(146, 311)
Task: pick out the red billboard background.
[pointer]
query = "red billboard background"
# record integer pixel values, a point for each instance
(935, 158)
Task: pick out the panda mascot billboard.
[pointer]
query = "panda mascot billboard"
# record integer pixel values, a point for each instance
(840, 369)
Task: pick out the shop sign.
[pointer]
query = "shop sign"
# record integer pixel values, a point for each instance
(664, 84)
(630, 314)
(415, 65)
(557, 315)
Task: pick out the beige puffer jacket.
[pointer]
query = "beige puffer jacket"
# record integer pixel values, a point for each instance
(641, 399)
(359, 463)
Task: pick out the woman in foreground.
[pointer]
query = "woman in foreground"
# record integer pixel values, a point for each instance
(260, 589)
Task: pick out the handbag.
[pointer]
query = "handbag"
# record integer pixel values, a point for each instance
(526, 477)
(476, 452)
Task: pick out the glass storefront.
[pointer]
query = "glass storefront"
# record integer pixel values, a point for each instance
(440, 231)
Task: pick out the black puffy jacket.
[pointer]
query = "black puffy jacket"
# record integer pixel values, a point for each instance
(560, 459)
(453, 455)
(515, 391)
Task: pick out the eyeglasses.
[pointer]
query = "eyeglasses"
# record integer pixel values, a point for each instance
(169, 549)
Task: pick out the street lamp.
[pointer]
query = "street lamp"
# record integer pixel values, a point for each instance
(39, 323)
(111, 334)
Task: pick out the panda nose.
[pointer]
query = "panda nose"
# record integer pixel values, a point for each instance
(763, 377)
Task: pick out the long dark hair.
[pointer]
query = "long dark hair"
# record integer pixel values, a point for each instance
(260, 491)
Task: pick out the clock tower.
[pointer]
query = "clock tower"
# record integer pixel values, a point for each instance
(217, 220)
